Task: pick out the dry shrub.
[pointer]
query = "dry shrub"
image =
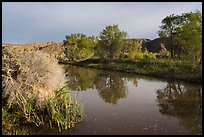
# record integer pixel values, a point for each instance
(29, 75)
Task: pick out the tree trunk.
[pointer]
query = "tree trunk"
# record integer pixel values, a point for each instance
(179, 52)
(171, 45)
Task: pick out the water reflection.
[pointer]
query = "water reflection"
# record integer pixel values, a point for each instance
(138, 113)
(110, 86)
(184, 102)
(180, 100)
(80, 79)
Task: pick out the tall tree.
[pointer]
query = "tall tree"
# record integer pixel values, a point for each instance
(191, 33)
(184, 32)
(111, 42)
(168, 30)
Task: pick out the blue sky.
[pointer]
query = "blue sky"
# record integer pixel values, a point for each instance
(27, 22)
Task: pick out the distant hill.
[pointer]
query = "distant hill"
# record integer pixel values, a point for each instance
(141, 41)
(151, 45)
(53, 47)
(44, 46)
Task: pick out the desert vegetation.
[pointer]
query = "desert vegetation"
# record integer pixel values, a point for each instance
(35, 92)
(180, 57)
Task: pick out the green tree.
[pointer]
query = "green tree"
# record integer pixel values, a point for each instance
(135, 51)
(184, 33)
(111, 42)
(191, 35)
(168, 29)
(79, 46)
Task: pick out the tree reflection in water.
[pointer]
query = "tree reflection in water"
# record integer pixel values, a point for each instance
(184, 102)
(80, 79)
(111, 87)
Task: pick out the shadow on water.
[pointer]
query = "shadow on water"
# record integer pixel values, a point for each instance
(183, 101)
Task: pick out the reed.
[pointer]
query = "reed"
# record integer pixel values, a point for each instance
(35, 92)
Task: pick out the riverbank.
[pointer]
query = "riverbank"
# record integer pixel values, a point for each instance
(178, 70)
(35, 93)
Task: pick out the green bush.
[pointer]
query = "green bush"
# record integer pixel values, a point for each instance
(164, 54)
(135, 53)
(79, 47)
(149, 55)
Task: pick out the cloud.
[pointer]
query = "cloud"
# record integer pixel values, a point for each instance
(41, 21)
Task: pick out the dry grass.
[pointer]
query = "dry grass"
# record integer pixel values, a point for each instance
(35, 92)
(31, 74)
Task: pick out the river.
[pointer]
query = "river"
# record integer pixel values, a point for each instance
(128, 104)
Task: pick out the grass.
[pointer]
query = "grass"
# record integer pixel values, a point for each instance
(164, 68)
(64, 111)
(61, 112)
(35, 92)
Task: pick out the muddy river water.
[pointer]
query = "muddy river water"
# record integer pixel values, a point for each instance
(128, 104)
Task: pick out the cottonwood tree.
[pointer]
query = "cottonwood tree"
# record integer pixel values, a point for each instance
(191, 33)
(79, 46)
(184, 33)
(111, 42)
(168, 30)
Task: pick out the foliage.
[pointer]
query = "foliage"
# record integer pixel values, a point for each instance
(160, 67)
(149, 55)
(32, 91)
(164, 53)
(111, 42)
(135, 51)
(184, 32)
(10, 122)
(30, 74)
(60, 110)
(191, 34)
(63, 110)
(79, 46)
(168, 29)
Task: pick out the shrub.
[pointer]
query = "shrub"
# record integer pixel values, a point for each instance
(149, 55)
(32, 74)
(34, 91)
(164, 53)
(135, 53)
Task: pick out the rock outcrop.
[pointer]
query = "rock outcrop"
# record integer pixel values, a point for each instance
(155, 45)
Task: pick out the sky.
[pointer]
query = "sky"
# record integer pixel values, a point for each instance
(27, 22)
